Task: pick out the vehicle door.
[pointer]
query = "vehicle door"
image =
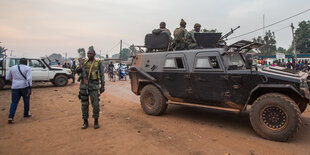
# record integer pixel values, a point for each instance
(209, 78)
(38, 69)
(175, 76)
(241, 80)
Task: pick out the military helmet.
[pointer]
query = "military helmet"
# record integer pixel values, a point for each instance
(197, 25)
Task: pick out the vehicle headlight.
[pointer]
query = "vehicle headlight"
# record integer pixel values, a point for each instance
(69, 71)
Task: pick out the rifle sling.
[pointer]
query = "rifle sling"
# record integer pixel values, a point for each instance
(91, 67)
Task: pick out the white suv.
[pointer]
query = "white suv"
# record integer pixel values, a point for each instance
(41, 71)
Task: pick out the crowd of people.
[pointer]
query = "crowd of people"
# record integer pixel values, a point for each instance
(294, 64)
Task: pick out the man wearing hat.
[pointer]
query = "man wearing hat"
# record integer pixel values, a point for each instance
(190, 38)
(91, 86)
(179, 36)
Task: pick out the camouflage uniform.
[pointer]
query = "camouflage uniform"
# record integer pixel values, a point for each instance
(166, 30)
(179, 36)
(190, 39)
(96, 76)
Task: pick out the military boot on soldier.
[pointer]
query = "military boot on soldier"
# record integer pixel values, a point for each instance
(85, 125)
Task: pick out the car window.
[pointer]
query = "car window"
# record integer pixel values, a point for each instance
(35, 64)
(203, 62)
(179, 63)
(170, 63)
(14, 62)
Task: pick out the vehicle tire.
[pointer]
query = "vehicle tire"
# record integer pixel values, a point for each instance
(302, 107)
(152, 100)
(275, 117)
(61, 80)
(2, 83)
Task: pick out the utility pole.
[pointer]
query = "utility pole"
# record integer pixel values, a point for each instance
(120, 50)
(294, 43)
(263, 25)
(11, 53)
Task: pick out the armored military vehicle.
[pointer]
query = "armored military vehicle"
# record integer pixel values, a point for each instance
(223, 77)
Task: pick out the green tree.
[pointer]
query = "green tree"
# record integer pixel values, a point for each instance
(281, 50)
(2, 51)
(125, 54)
(269, 41)
(302, 37)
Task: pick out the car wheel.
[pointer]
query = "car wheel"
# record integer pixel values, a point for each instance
(275, 117)
(152, 101)
(61, 80)
(2, 83)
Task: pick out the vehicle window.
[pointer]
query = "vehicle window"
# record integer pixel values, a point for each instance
(179, 63)
(214, 63)
(35, 64)
(14, 62)
(203, 62)
(170, 63)
(236, 59)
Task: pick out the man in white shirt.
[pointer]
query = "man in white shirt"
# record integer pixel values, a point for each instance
(21, 78)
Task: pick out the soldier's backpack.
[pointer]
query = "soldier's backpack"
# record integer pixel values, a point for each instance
(178, 34)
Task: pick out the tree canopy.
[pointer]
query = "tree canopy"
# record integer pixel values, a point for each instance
(302, 37)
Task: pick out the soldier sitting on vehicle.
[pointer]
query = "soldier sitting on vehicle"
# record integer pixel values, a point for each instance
(179, 36)
(190, 38)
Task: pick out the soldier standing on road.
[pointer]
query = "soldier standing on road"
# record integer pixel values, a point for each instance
(95, 76)
(179, 36)
(190, 37)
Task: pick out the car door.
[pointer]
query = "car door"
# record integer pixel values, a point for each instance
(209, 78)
(38, 69)
(175, 76)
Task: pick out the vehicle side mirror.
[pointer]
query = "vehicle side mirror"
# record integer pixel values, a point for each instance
(43, 66)
(249, 61)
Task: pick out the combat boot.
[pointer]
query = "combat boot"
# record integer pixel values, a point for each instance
(85, 125)
(96, 124)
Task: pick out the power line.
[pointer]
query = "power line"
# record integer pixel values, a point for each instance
(269, 25)
(282, 28)
(113, 47)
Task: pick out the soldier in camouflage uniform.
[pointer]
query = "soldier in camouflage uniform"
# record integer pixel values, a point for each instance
(190, 38)
(162, 27)
(179, 36)
(95, 75)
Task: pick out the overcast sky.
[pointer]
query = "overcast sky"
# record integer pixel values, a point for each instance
(35, 28)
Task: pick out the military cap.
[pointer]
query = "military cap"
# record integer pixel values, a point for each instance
(197, 25)
(91, 48)
(182, 22)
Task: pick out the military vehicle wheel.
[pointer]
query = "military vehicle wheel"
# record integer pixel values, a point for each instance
(61, 80)
(302, 107)
(152, 100)
(275, 116)
(2, 83)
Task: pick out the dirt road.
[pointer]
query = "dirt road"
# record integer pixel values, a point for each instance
(125, 129)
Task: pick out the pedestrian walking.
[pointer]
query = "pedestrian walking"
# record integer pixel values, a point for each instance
(21, 78)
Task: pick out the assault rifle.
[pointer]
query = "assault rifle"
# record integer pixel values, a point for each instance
(83, 75)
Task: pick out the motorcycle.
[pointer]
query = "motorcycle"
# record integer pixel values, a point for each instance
(122, 74)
